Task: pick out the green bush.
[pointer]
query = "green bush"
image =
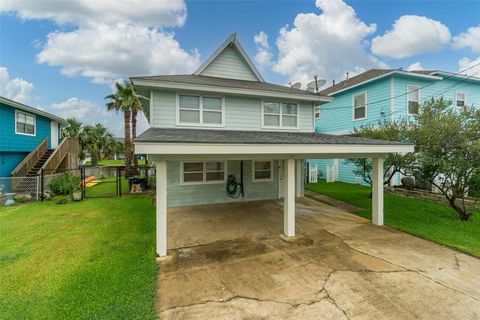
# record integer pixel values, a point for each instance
(474, 186)
(61, 199)
(423, 184)
(408, 183)
(65, 184)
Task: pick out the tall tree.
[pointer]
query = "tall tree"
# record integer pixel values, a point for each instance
(447, 141)
(74, 130)
(135, 108)
(121, 100)
(97, 141)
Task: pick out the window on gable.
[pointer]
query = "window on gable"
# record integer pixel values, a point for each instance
(277, 114)
(360, 106)
(24, 123)
(413, 93)
(460, 99)
(262, 170)
(200, 110)
(203, 172)
(316, 112)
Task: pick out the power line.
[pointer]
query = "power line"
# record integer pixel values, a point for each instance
(417, 89)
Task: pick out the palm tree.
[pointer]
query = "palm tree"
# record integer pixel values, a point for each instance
(122, 100)
(135, 108)
(97, 141)
(74, 130)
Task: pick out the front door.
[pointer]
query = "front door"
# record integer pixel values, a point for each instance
(53, 135)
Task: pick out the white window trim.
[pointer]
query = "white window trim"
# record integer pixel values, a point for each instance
(366, 105)
(464, 98)
(419, 98)
(319, 112)
(201, 124)
(281, 127)
(34, 124)
(204, 171)
(253, 171)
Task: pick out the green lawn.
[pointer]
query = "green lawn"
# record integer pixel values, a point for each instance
(107, 187)
(107, 163)
(93, 259)
(436, 222)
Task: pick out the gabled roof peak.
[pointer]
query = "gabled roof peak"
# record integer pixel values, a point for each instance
(231, 42)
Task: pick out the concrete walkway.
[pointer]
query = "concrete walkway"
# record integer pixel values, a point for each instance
(229, 262)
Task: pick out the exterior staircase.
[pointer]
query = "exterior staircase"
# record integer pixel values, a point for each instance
(41, 161)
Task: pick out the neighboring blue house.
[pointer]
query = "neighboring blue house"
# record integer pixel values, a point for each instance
(22, 129)
(382, 95)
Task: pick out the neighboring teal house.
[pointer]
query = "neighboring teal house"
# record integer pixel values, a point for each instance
(22, 129)
(224, 134)
(382, 95)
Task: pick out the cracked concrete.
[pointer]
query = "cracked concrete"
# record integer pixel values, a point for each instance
(229, 262)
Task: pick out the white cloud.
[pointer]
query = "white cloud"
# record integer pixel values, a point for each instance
(110, 12)
(16, 89)
(411, 35)
(83, 110)
(264, 53)
(415, 66)
(110, 53)
(466, 63)
(328, 44)
(110, 39)
(469, 39)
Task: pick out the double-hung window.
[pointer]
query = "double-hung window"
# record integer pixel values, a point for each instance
(200, 110)
(262, 170)
(280, 115)
(360, 106)
(460, 99)
(316, 112)
(413, 94)
(203, 172)
(24, 123)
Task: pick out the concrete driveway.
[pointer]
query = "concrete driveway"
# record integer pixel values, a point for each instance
(230, 262)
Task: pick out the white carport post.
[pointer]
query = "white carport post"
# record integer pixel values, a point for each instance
(377, 191)
(161, 185)
(289, 198)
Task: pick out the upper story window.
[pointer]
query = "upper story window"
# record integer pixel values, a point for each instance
(316, 112)
(25, 123)
(360, 106)
(460, 99)
(280, 115)
(262, 170)
(413, 99)
(200, 110)
(203, 172)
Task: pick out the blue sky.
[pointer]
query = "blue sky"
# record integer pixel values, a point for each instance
(58, 57)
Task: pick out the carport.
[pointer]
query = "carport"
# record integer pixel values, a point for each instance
(291, 148)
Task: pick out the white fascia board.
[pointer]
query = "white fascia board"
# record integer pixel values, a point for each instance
(228, 90)
(455, 75)
(394, 72)
(293, 150)
(21, 106)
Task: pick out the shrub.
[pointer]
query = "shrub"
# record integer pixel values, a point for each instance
(408, 183)
(61, 199)
(474, 186)
(65, 184)
(423, 184)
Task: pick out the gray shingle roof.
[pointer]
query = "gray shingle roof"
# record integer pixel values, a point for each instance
(350, 82)
(161, 135)
(222, 82)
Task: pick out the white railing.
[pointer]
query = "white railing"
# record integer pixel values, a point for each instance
(313, 173)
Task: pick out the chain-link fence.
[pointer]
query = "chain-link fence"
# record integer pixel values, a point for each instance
(21, 188)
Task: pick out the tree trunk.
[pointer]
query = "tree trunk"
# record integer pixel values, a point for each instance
(134, 135)
(128, 146)
(462, 214)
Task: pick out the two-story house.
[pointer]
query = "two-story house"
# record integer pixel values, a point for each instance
(382, 95)
(30, 139)
(224, 134)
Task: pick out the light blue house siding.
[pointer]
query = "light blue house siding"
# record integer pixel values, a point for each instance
(179, 194)
(337, 116)
(14, 147)
(241, 112)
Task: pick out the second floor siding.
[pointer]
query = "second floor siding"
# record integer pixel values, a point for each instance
(239, 112)
(387, 99)
(11, 141)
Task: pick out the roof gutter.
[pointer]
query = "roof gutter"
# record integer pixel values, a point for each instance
(21, 106)
(230, 90)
